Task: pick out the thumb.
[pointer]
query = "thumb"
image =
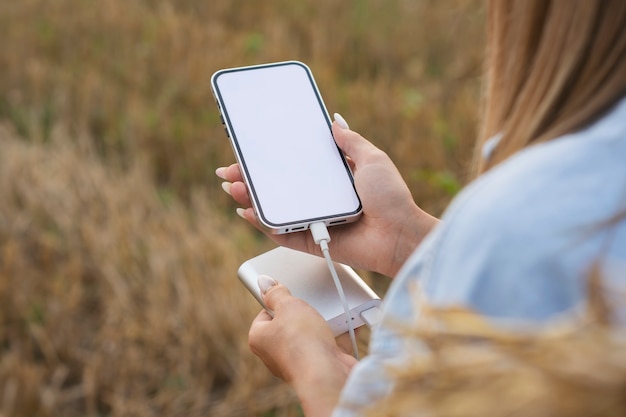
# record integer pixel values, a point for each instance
(274, 293)
(351, 143)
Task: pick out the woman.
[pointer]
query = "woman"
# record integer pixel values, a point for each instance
(548, 201)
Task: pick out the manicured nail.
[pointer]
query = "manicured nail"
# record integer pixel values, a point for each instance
(240, 212)
(221, 172)
(265, 283)
(226, 187)
(341, 121)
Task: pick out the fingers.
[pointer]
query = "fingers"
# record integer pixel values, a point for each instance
(239, 193)
(234, 185)
(274, 293)
(355, 146)
(277, 297)
(262, 317)
(341, 122)
(345, 343)
(351, 163)
(230, 173)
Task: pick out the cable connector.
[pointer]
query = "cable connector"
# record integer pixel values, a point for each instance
(320, 232)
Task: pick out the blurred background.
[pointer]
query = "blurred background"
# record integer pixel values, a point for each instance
(118, 248)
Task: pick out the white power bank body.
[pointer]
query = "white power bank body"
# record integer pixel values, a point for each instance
(307, 277)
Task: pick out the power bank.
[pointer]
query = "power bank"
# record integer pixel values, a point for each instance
(307, 277)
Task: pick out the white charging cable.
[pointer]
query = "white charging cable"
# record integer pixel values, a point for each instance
(321, 238)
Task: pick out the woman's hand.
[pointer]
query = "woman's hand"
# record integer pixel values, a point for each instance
(298, 346)
(391, 226)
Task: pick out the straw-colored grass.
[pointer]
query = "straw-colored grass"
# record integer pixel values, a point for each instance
(135, 76)
(114, 301)
(465, 365)
(118, 249)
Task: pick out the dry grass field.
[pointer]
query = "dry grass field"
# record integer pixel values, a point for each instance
(118, 249)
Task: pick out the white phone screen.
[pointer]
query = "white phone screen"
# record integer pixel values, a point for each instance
(281, 134)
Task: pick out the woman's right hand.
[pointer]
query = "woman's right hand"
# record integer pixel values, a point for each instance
(391, 225)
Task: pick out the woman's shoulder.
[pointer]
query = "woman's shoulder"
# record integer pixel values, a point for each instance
(519, 240)
(575, 177)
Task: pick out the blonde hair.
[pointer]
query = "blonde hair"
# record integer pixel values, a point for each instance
(553, 67)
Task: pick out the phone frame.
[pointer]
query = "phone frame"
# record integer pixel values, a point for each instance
(293, 226)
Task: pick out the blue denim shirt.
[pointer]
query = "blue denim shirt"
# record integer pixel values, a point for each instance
(516, 244)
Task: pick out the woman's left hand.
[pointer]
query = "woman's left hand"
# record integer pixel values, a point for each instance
(298, 346)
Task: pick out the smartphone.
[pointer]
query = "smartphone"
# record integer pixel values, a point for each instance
(307, 277)
(281, 135)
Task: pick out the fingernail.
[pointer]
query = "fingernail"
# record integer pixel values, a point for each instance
(226, 187)
(240, 212)
(265, 283)
(341, 121)
(221, 172)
